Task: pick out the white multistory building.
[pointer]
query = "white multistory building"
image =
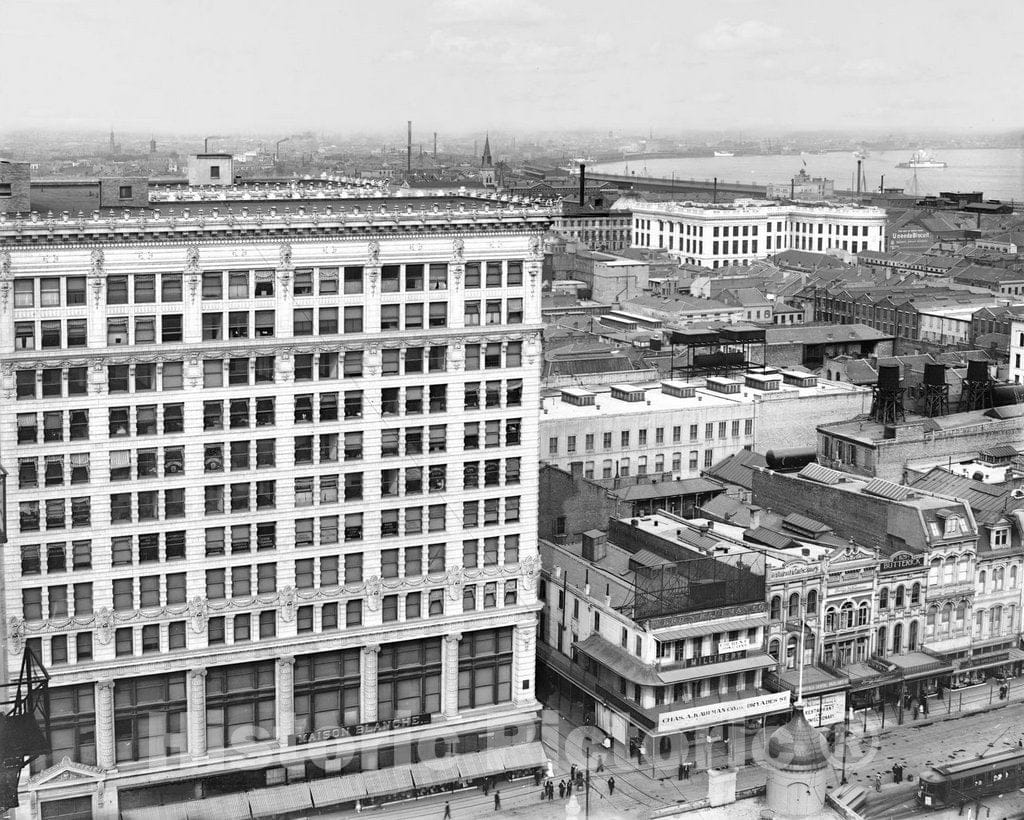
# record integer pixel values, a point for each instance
(272, 497)
(740, 232)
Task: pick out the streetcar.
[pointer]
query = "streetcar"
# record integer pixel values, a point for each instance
(965, 780)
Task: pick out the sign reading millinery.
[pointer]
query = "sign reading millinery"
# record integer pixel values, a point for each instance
(824, 710)
(715, 713)
(372, 728)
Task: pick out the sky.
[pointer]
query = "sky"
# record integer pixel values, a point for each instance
(457, 65)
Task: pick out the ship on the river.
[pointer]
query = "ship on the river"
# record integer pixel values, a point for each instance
(724, 154)
(922, 159)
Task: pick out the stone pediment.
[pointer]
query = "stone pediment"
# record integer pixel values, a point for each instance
(64, 772)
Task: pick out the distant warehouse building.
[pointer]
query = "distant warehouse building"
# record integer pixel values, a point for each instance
(740, 232)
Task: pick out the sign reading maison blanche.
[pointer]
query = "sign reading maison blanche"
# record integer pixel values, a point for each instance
(335, 732)
(716, 713)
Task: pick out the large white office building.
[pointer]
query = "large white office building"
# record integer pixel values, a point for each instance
(272, 497)
(740, 232)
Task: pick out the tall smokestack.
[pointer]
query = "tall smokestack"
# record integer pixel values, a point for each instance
(714, 191)
(583, 184)
(408, 150)
(858, 176)
(435, 146)
(881, 185)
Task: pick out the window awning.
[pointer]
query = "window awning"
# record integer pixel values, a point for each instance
(525, 756)
(172, 811)
(219, 807)
(758, 661)
(696, 630)
(382, 782)
(334, 790)
(481, 764)
(270, 803)
(435, 772)
(120, 458)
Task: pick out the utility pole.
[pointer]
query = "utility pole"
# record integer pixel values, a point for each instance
(586, 810)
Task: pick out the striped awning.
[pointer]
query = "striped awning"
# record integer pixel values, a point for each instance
(382, 782)
(334, 790)
(481, 764)
(235, 806)
(758, 661)
(271, 803)
(172, 811)
(435, 772)
(709, 628)
(525, 756)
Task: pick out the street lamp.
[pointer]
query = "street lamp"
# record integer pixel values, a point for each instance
(586, 809)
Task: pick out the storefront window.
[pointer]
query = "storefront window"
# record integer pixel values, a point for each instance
(327, 690)
(485, 668)
(240, 704)
(409, 679)
(150, 717)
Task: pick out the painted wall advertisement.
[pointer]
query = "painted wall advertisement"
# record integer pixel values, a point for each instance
(825, 710)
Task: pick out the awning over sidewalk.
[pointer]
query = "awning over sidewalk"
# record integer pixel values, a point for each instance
(759, 661)
(267, 804)
(393, 780)
(620, 661)
(700, 629)
(481, 764)
(435, 772)
(219, 808)
(915, 665)
(172, 811)
(525, 756)
(334, 790)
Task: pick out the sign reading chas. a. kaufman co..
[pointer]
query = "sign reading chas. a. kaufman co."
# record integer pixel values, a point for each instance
(716, 713)
(372, 728)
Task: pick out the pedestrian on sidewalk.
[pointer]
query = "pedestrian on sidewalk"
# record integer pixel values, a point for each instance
(600, 763)
(611, 786)
(924, 706)
(551, 791)
(486, 786)
(536, 777)
(895, 772)
(878, 782)
(561, 789)
(497, 801)
(686, 770)
(447, 811)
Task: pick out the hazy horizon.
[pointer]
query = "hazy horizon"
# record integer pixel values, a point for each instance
(189, 67)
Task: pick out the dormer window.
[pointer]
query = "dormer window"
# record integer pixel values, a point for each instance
(1000, 538)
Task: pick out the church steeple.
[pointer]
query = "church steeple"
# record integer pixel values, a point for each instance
(488, 173)
(485, 160)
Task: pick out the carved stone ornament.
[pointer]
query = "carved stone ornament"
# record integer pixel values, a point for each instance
(373, 253)
(536, 247)
(458, 250)
(198, 615)
(285, 256)
(192, 259)
(5, 264)
(287, 600)
(453, 582)
(373, 593)
(530, 568)
(96, 260)
(15, 635)
(104, 626)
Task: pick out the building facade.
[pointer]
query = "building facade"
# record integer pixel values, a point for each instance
(716, 235)
(273, 492)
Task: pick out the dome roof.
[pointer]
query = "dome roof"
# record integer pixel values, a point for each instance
(798, 745)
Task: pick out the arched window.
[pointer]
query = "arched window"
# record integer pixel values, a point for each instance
(791, 652)
(880, 643)
(930, 619)
(897, 639)
(846, 615)
(812, 602)
(935, 571)
(946, 617)
(998, 575)
(899, 596)
(774, 647)
(915, 594)
(830, 619)
(1013, 577)
(961, 612)
(1011, 618)
(862, 614)
(776, 608)
(982, 578)
(794, 605)
(949, 571)
(883, 598)
(912, 637)
(964, 573)
(979, 622)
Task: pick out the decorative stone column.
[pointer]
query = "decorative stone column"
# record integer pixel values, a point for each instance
(371, 286)
(106, 757)
(368, 707)
(285, 698)
(197, 713)
(450, 675)
(524, 663)
(456, 272)
(192, 295)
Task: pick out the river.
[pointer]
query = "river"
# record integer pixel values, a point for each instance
(997, 172)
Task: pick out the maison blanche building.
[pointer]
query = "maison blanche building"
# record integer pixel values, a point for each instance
(740, 232)
(272, 494)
